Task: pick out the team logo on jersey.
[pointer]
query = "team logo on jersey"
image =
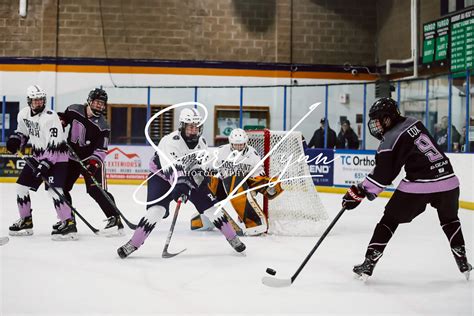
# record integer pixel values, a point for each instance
(33, 127)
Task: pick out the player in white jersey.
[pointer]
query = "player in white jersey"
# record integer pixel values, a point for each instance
(233, 162)
(43, 130)
(187, 150)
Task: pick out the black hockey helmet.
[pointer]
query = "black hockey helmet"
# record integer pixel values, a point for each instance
(380, 110)
(97, 94)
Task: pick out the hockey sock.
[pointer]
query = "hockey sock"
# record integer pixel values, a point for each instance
(67, 195)
(62, 209)
(382, 234)
(103, 202)
(23, 200)
(153, 215)
(220, 221)
(453, 231)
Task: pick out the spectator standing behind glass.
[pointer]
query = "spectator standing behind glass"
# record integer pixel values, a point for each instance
(317, 141)
(347, 138)
(441, 135)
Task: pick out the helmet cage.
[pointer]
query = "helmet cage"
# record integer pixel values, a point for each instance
(35, 93)
(97, 94)
(238, 137)
(190, 116)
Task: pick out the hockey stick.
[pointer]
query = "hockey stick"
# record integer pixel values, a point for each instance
(129, 224)
(63, 199)
(165, 253)
(277, 282)
(3, 240)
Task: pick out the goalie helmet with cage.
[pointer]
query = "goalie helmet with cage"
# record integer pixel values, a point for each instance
(383, 114)
(238, 139)
(97, 94)
(35, 93)
(190, 125)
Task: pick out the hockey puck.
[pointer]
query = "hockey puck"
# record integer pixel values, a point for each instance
(271, 271)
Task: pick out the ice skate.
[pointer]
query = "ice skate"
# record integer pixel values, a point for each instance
(66, 231)
(461, 260)
(126, 250)
(22, 227)
(114, 227)
(364, 271)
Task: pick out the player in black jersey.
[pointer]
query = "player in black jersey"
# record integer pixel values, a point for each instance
(430, 179)
(89, 137)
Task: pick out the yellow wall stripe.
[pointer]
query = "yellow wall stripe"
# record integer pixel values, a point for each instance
(184, 71)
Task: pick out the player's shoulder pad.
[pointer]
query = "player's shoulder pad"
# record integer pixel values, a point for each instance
(102, 123)
(76, 107)
(393, 135)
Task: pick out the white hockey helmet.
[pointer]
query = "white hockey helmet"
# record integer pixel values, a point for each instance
(190, 116)
(33, 93)
(238, 139)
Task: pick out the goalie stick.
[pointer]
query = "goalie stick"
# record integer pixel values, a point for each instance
(165, 253)
(61, 197)
(4, 240)
(277, 282)
(97, 184)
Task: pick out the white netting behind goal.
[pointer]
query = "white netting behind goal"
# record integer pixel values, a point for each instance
(298, 211)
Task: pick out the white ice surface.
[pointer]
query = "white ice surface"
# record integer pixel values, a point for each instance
(416, 276)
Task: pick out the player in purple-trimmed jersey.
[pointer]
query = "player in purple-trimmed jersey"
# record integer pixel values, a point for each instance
(430, 179)
(89, 137)
(42, 129)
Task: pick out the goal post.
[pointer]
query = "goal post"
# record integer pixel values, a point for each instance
(298, 211)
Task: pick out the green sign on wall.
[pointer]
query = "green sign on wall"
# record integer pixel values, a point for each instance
(450, 39)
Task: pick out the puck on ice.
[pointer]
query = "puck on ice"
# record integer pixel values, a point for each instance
(271, 271)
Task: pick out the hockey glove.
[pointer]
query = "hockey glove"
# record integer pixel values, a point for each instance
(353, 197)
(13, 143)
(43, 168)
(182, 189)
(92, 166)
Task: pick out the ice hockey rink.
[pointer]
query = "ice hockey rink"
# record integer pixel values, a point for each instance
(416, 276)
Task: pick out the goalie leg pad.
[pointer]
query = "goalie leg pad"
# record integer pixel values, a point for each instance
(246, 207)
(201, 222)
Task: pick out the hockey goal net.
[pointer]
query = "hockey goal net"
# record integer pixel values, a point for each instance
(298, 211)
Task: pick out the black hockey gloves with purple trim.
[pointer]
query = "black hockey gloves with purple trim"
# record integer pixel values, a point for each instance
(13, 143)
(353, 197)
(43, 168)
(182, 189)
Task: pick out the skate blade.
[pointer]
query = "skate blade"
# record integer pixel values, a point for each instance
(68, 237)
(25, 232)
(467, 275)
(362, 277)
(112, 233)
